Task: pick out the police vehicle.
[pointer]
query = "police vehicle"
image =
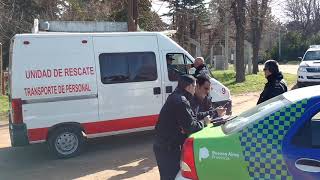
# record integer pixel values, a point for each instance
(309, 68)
(278, 139)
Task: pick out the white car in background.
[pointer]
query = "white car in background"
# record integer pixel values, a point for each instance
(309, 68)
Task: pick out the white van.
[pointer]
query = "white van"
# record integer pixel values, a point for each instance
(309, 68)
(65, 87)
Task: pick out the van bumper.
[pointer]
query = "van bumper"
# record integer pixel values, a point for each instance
(18, 134)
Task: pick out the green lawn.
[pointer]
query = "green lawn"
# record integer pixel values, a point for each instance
(253, 82)
(4, 104)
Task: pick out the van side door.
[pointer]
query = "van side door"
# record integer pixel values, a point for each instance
(129, 83)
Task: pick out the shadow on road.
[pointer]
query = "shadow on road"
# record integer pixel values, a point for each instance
(131, 155)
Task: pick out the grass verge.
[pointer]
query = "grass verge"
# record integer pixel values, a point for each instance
(4, 106)
(253, 83)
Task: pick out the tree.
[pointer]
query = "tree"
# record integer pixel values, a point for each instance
(188, 17)
(239, 15)
(17, 16)
(304, 16)
(257, 15)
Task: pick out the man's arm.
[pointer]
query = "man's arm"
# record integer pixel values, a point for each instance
(209, 110)
(187, 120)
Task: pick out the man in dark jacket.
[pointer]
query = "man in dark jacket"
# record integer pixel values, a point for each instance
(201, 68)
(202, 104)
(275, 85)
(176, 122)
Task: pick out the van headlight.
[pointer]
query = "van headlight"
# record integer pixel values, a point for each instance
(302, 69)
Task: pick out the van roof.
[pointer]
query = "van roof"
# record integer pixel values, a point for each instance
(49, 34)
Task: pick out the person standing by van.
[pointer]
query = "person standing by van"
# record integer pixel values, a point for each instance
(201, 103)
(275, 85)
(201, 68)
(176, 121)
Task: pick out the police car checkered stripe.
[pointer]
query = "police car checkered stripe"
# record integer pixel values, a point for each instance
(261, 143)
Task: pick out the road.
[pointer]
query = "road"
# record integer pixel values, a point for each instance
(288, 68)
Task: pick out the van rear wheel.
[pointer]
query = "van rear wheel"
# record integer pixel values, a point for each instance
(66, 142)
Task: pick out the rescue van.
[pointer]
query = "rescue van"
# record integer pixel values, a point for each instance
(277, 139)
(66, 87)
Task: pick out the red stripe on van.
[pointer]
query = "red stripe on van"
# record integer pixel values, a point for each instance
(120, 124)
(38, 134)
(102, 126)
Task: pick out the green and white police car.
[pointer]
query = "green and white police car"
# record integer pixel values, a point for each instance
(278, 139)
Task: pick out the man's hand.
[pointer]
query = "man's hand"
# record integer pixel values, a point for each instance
(221, 111)
(207, 120)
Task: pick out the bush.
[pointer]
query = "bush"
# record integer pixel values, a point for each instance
(293, 45)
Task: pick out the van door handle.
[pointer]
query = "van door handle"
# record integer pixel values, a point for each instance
(168, 89)
(308, 165)
(156, 90)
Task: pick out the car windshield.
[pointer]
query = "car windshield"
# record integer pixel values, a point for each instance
(312, 55)
(258, 112)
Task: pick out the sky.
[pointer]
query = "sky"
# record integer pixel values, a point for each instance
(277, 8)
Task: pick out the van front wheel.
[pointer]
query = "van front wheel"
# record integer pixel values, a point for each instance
(66, 142)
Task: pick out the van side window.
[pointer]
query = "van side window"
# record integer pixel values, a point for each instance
(127, 67)
(175, 65)
(308, 135)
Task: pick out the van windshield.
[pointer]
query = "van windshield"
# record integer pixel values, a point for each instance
(258, 112)
(312, 55)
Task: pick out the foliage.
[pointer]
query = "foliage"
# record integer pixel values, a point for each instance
(293, 45)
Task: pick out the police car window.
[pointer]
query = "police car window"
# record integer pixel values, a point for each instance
(308, 135)
(312, 55)
(175, 65)
(256, 113)
(127, 67)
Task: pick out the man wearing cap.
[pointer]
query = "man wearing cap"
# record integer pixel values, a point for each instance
(173, 72)
(176, 122)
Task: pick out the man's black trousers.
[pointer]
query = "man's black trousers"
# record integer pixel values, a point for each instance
(168, 160)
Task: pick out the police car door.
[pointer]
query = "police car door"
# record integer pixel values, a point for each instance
(301, 147)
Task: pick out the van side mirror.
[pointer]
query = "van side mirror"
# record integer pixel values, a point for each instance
(300, 58)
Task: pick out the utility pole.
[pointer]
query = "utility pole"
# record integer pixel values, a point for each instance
(132, 15)
(1, 72)
(226, 34)
(279, 42)
(226, 42)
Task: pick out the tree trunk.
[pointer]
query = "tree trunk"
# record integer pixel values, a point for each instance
(257, 15)
(239, 18)
(255, 54)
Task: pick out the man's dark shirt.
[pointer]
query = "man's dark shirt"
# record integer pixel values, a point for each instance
(176, 120)
(203, 108)
(202, 70)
